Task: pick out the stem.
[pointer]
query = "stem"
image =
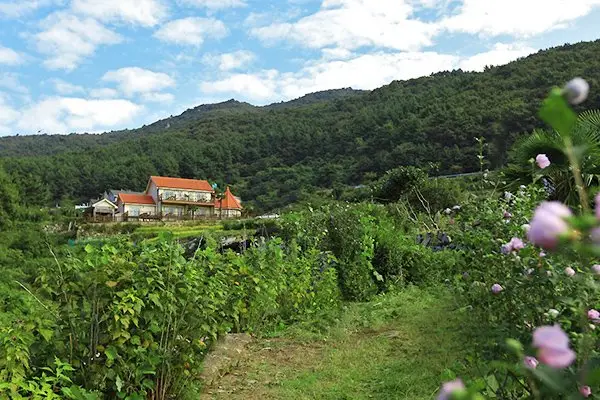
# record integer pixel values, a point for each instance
(38, 300)
(583, 199)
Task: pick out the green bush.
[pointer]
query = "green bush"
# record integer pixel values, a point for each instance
(134, 320)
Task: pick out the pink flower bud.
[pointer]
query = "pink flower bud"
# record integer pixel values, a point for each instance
(496, 288)
(585, 391)
(542, 161)
(594, 316)
(596, 269)
(569, 271)
(548, 224)
(576, 90)
(507, 215)
(530, 362)
(450, 387)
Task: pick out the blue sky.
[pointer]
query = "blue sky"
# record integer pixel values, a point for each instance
(98, 65)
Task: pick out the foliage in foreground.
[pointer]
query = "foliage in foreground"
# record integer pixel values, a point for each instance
(133, 321)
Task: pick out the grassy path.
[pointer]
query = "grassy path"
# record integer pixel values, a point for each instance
(396, 347)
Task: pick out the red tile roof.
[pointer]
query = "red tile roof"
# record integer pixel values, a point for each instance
(181, 183)
(229, 202)
(129, 198)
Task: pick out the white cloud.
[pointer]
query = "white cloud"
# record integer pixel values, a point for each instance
(230, 61)
(9, 56)
(336, 53)
(365, 71)
(351, 24)
(215, 4)
(262, 86)
(64, 88)
(68, 39)
(158, 97)
(59, 115)
(520, 18)
(104, 93)
(191, 30)
(500, 54)
(11, 82)
(141, 12)
(134, 80)
(19, 8)
(8, 115)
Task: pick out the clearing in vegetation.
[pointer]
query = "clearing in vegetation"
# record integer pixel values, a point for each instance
(398, 346)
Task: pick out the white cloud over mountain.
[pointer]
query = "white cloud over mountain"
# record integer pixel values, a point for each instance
(191, 31)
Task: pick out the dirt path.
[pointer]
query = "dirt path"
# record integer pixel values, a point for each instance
(397, 347)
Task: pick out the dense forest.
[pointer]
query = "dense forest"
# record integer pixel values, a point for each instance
(275, 155)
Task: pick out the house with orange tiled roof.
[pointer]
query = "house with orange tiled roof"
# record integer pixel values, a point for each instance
(228, 206)
(178, 198)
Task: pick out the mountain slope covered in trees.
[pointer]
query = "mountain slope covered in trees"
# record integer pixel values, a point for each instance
(274, 155)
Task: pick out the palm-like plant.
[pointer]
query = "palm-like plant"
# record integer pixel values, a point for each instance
(558, 177)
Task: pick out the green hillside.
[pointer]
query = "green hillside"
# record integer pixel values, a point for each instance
(275, 155)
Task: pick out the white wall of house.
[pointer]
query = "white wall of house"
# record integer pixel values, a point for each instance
(137, 209)
(185, 195)
(172, 210)
(153, 191)
(229, 213)
(203, 211)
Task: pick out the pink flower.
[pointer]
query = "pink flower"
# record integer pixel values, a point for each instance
(585, 391)
(515, 244)
(548, 224)
(542, 254)
(542, 161)
(594, 315)
(530, 362)
(553, 346)
(596, 269)
(507, 215)
(569, 271)
(496, 288)
(450, 387)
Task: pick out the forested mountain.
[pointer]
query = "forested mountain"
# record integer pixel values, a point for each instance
(274, 154)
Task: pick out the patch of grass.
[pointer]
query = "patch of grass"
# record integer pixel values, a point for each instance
(398, 346)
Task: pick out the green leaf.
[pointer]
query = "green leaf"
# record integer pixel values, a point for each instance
(119, 383)
(89, 248)
(111, 353)
(557, 113)
(46, 334)
(553, 379)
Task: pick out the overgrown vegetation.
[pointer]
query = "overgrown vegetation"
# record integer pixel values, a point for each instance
(131, 313)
